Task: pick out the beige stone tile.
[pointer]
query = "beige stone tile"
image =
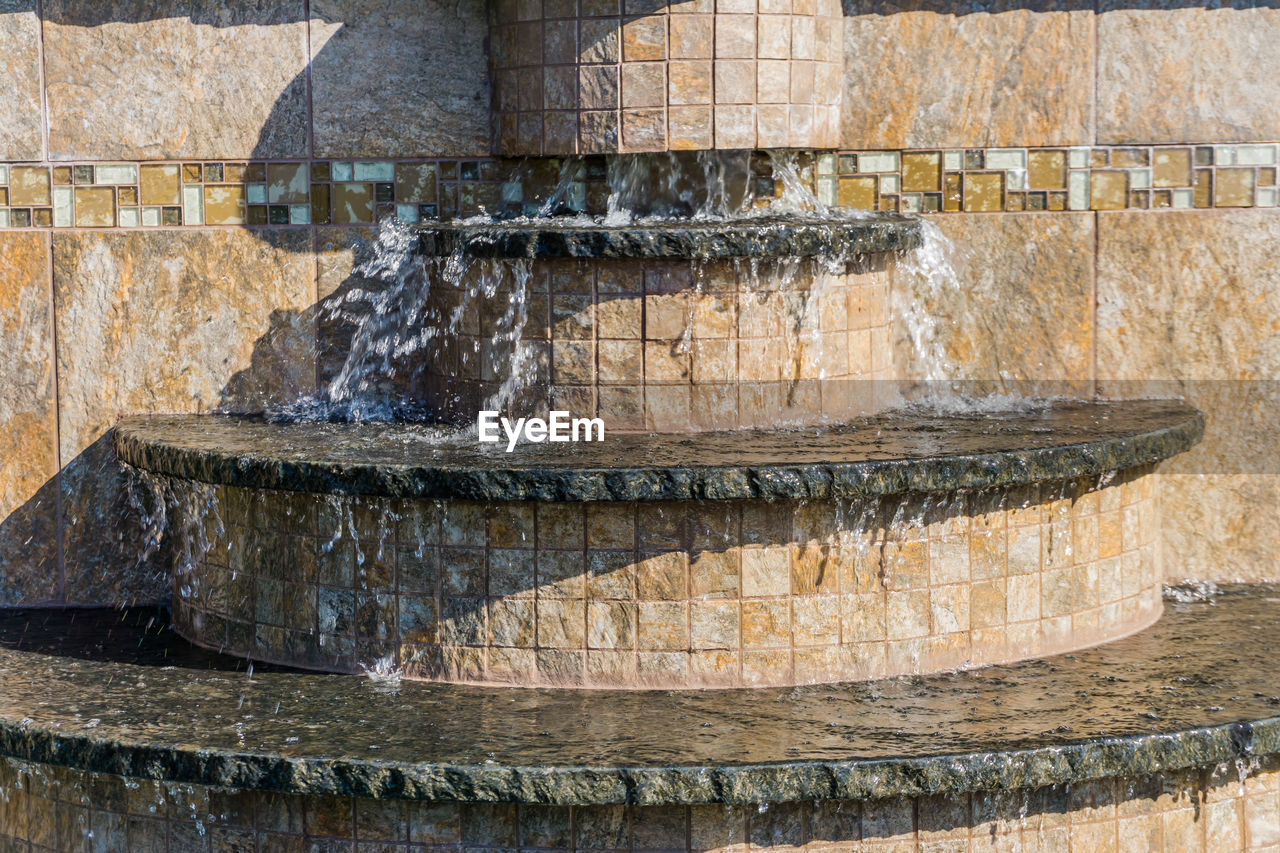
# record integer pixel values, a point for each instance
(1200, 328)
(29, 185)
(28, 451)
(21, 115)
(241, 91)
(95, 207)
(1017, 314)
(430, 89)
(160, 184)
(1023, 76)
(1217, 64)
(163, 321)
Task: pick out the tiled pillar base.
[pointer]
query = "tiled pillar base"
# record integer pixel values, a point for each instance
(675, 594)
(1211, 809)
(670, 345)
(584, 78)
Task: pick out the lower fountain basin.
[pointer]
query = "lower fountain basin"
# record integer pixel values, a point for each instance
(893, 545)
(1174, 728)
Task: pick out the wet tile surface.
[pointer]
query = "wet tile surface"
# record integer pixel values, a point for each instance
(28, 455)
(885, 454)
(1103, 712)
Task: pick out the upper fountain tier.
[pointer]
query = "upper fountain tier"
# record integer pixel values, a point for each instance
(661, 325)
(688, 239)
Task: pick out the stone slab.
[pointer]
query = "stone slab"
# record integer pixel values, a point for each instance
(21, 113)
(881, 455)
(427, 93)
(1018, 315)
(1169, 71)
(929, 73)
(1189, 305)
(106, 696)
(113, 92)
(28, 445)
(164, 321)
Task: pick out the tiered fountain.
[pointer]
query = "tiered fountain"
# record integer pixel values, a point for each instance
(752, 617)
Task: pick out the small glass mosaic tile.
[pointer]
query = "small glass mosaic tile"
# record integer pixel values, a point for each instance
(362, 192)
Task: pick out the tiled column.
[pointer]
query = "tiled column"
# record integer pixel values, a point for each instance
(589, 77)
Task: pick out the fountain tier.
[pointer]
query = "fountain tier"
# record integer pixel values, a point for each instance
(669, 327)
(890, 545)
(1173, 731)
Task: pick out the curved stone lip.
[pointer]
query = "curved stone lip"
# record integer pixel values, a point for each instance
(960, 732)
(762, 237)
(881, 455)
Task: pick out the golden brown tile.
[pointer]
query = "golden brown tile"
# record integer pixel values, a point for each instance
(159, 184)
(352, 203)
(1047, 170)
(1204, 188)
(224, 204)
(61, 175)
(1233, 188)
(1108, 190)
(95, 207)
(921, 172)
(983, 192)
(29, 186)
(1172, 167)
(859, 192)
(416, 183)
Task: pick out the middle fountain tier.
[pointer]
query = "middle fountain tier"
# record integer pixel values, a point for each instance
(752, 518)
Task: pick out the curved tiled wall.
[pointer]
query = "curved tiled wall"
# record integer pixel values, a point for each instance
(674, 594)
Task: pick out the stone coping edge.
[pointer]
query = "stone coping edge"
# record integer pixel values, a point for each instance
(684, 239)
(157, 444)
(586, 785)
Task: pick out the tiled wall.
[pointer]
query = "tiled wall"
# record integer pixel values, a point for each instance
(100, 320)
(673, 595)
(1206, 810)
(350, 192)
(604, 76)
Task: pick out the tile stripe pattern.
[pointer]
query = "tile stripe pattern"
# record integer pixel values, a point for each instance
(350, 192)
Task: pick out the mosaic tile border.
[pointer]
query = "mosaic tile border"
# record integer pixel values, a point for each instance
(361, 192)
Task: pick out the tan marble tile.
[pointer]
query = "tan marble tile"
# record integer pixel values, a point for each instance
(1201, 328)
(430, 88)
(241, 91)
(924, 76)
(21, 114)
(28, 453)
(1169, 72)
(163, 321)
(1018, 315)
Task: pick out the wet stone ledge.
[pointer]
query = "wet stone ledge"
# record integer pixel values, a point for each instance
(882, 455)
(692, 239)
(100, 692)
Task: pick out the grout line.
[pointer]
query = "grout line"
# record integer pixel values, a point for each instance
(44, 92)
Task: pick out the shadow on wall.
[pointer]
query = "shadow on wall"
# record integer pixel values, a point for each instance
(75, 538)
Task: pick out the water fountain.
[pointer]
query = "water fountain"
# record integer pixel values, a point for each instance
(767, 611)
